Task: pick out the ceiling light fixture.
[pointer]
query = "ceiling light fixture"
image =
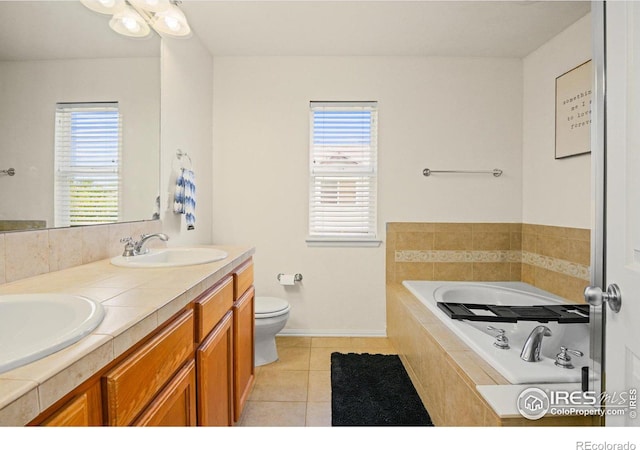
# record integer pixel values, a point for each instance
(129, 23)
(133, 18)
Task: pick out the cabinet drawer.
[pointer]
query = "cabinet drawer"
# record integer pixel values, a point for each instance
(74, 414)
(132, 384)
(212, 307)
(242, 279)
(84, 409)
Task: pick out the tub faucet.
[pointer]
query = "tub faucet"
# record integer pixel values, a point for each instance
(139, 248)
(533, 344)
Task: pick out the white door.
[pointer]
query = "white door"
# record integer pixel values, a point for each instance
(622, 251)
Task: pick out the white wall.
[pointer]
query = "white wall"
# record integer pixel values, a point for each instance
(555, 192)
(186, 124)
(30, 90)
(441, 113)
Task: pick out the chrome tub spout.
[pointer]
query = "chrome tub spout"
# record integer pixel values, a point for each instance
(533, 344)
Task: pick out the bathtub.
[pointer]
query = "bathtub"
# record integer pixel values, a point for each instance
(480, 339)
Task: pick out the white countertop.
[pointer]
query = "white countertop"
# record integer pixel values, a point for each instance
(136, 302)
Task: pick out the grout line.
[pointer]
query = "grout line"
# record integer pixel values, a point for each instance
(306, 405)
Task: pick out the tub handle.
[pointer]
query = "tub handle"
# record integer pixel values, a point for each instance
(502, 341)
(564, 360)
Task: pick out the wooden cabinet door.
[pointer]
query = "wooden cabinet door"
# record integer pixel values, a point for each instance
(175, 405)
(214, 374)
(243, 344)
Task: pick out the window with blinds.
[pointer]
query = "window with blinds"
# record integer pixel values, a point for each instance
(88, 150)
(343, 171)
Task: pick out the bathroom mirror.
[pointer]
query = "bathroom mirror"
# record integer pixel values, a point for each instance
(54, 52)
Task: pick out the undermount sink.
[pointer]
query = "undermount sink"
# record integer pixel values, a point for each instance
(171, 257)
(33, 326)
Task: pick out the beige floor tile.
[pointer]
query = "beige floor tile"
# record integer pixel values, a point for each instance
(318, 414)
(274, 414)
(281, 386)
(319, 386)
(386, 350)
(330, 342)
(293, 341)
(370, 342)
(321, 356)
(290, 358)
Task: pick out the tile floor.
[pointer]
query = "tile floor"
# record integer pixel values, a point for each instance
(295, 391)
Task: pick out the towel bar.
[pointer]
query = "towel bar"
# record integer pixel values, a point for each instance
(494, 172)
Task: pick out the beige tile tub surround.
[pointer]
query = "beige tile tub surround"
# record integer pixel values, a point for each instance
(555, 259)
(136, 302)
(29, 253)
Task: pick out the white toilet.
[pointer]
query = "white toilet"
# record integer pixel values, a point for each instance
(271, 316)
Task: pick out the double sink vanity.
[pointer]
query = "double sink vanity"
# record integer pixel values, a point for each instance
(164, 338)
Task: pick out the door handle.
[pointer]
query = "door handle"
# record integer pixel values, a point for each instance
(594, 296)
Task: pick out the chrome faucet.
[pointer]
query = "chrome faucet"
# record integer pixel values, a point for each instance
(140, 249)
(533, 344)
(133, 248)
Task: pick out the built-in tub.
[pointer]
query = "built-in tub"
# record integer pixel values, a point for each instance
(480, 339)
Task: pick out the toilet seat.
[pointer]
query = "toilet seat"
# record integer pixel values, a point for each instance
(266, 307)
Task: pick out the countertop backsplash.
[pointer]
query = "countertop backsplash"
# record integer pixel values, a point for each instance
(28, 253)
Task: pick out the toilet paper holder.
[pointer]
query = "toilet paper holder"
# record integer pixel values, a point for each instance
(296, 277)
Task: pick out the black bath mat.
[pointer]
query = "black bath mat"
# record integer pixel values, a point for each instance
(373, 390)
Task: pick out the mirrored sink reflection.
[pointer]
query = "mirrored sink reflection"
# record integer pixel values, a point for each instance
(171, 257)
(33, 326)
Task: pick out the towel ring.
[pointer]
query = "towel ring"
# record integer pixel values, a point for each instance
(180, 154)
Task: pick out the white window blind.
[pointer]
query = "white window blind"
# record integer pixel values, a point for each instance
(343, 171)
(87, 163)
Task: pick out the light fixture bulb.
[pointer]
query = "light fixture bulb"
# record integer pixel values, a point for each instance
(129, 23)
(104, 6)
(171, 22)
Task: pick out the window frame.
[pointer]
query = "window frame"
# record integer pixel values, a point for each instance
(360, 173)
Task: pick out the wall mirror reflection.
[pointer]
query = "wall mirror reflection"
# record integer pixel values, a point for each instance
(79, 118)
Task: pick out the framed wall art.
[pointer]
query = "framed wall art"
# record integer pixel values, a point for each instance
(573, 111)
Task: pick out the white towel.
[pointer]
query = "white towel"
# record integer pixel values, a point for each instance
(184, 200)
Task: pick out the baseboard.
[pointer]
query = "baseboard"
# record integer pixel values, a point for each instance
(333, 333)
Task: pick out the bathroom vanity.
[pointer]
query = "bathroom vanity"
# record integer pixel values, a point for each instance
(176, 347)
